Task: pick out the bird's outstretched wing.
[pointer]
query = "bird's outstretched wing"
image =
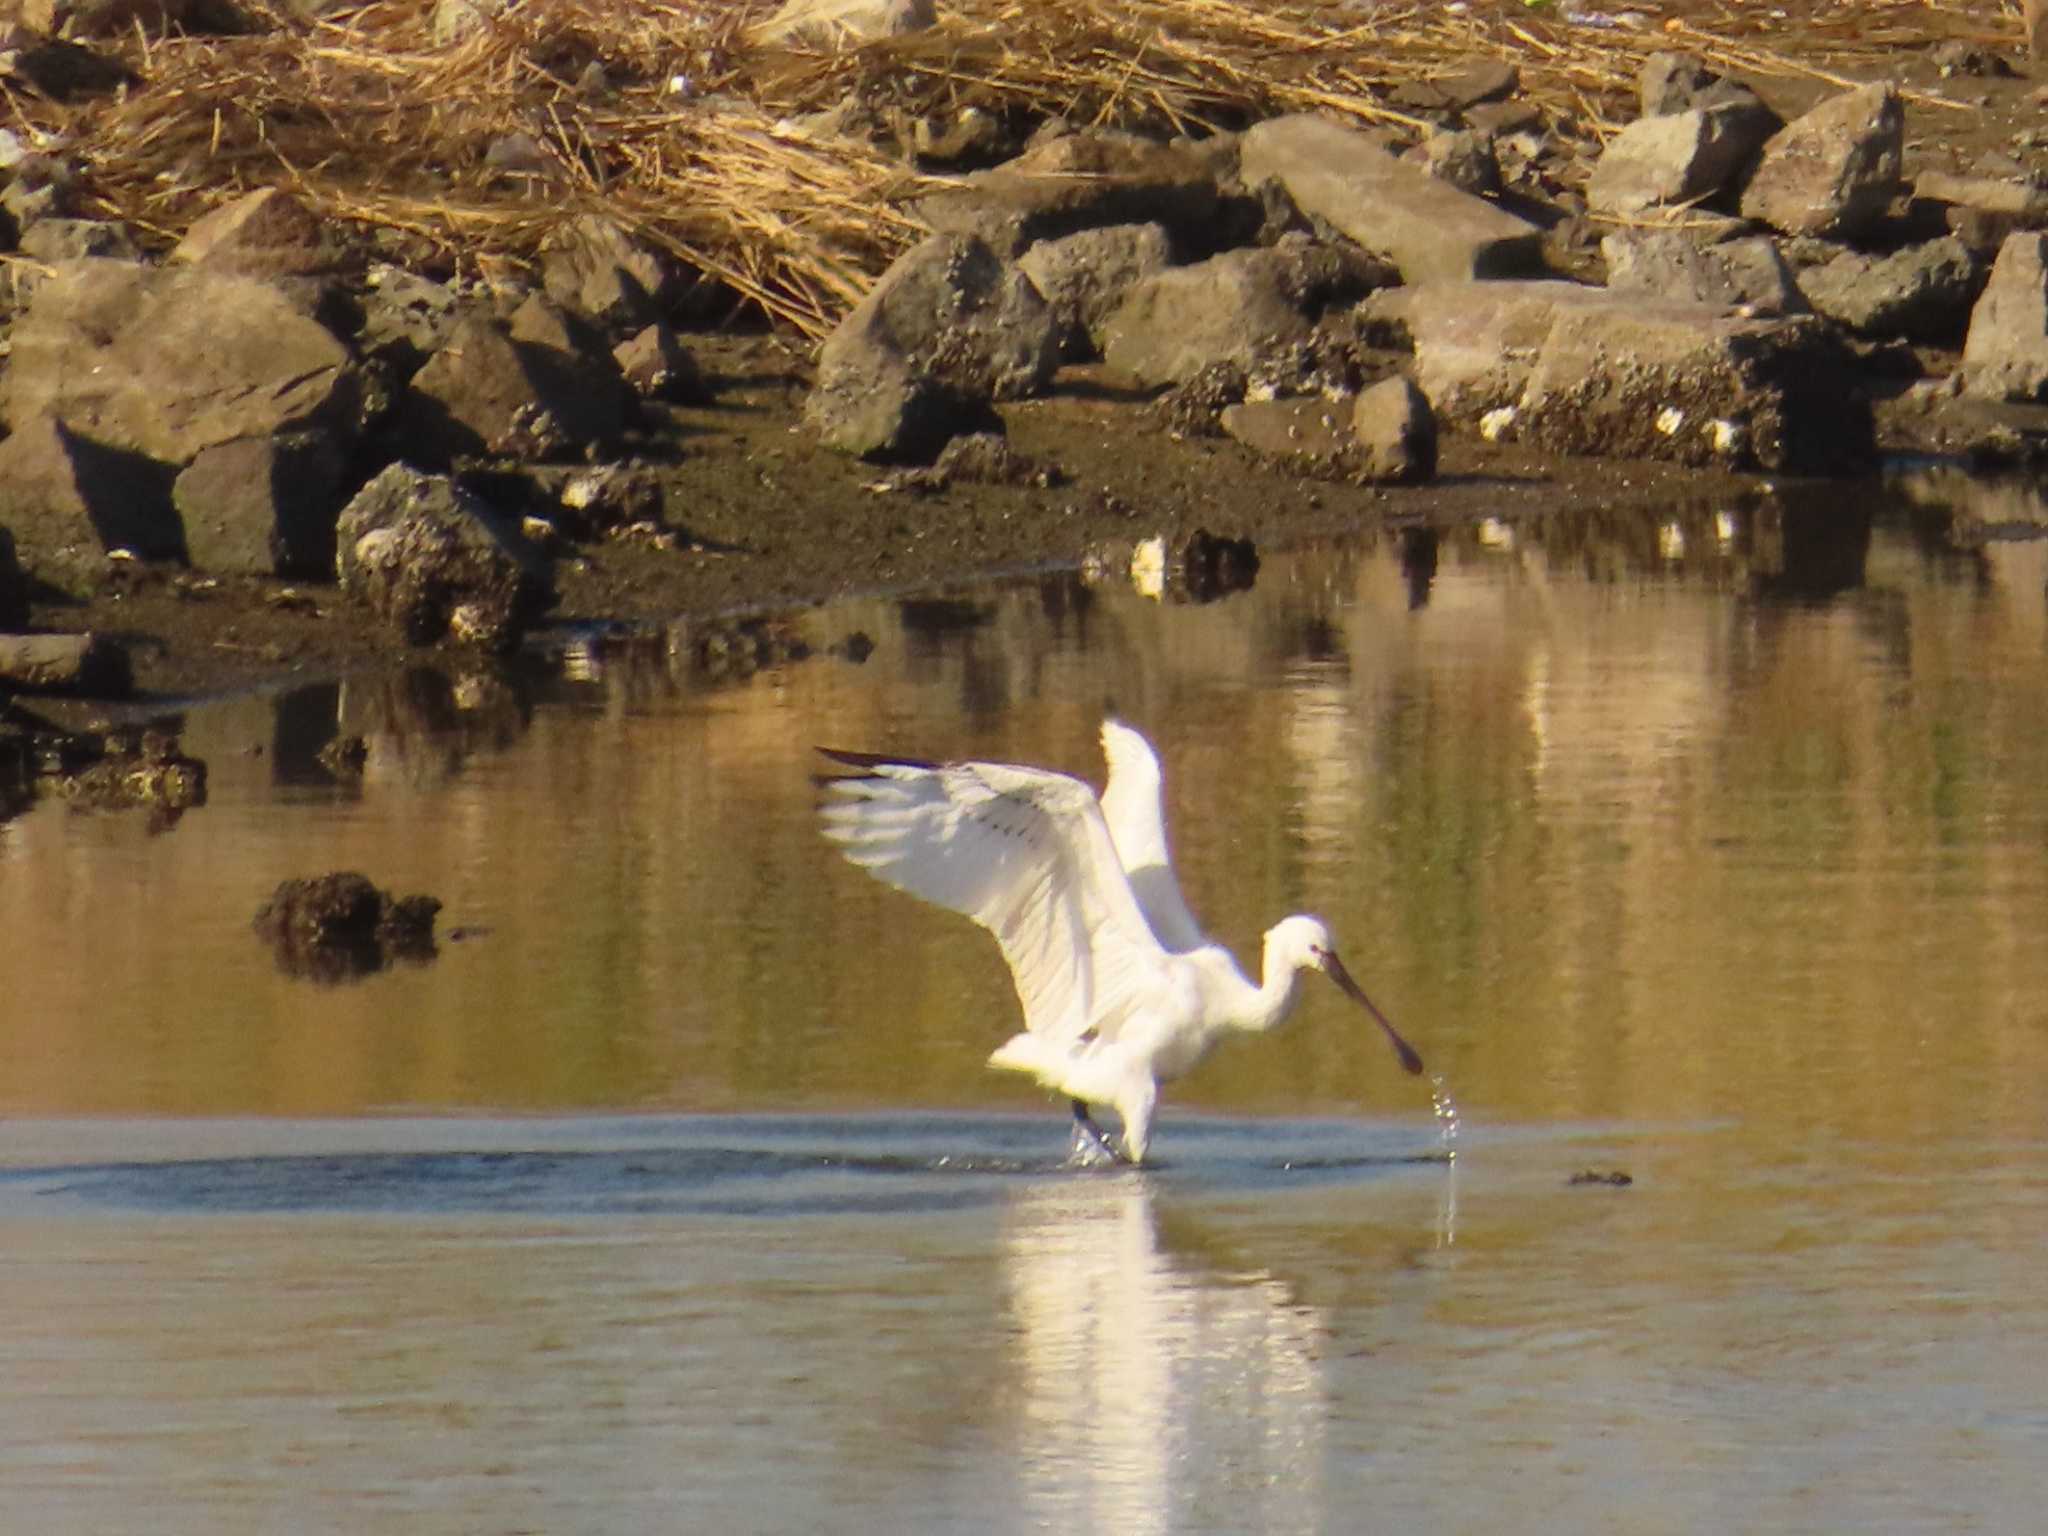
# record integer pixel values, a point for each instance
(1022, 851)
(1136, 817)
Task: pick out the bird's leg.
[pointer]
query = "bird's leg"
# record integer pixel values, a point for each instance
(1092, 1146)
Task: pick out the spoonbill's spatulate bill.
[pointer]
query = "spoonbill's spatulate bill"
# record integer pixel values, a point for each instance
(1121, 991)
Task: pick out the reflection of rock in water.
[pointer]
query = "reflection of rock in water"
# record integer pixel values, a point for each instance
(123, 772)
(338, 927)
(16, 777)
(1418, 564)
(1212, 566)
(732, 650)
(1157, 1390)
(1970, 510)
(636, 667)
(1202, 568)
(344, 756)
(1814, 548)
(929, 617)
(421, 725)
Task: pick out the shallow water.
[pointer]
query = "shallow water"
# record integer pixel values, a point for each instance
(1711, 850)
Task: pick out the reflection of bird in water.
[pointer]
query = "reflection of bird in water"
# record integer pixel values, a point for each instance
(1121, 991)
(1163, 1388)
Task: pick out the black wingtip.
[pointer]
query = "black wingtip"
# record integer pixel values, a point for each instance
(875, 759)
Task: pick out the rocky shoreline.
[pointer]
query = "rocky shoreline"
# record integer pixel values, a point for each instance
(267, 448)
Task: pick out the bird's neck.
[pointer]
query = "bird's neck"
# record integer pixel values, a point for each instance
(1268, 1004)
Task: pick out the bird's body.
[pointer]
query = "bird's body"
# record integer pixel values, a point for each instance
(1121, 991)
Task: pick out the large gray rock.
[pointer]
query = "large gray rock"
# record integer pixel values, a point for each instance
(1481, 80)
(1242, 308)
(475, 396)
(1668, 82)
(437, 562)
(600, 271)
(1429, 229)
(167, 362)
(1085, 180)
(842, 23)
(88, 665)
(406, 318)
(1386, 433)
(1922, 293)
(1680, 157)
(1835, 171)
(1682, 82)
(1086, 276)
(1698, 385)
(2005, 356)
(52, 241)
(263, 506)
(1308, 434)
(657, 366)
(949, 328)
(538, 386)
(1465, 158)
(2015, 197)
(1668, 264)
(265, 234)
(1396, 432)
(59, 488)
(897, 415)
(1476, 343)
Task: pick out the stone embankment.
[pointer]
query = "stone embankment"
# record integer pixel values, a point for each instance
(1761, 285)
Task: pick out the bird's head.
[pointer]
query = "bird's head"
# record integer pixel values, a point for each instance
(1299, 943)
(1304, 943)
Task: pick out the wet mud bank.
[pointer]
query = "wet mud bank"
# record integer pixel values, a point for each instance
(757, 519)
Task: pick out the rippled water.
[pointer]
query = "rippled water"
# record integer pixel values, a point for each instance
(1709, 852)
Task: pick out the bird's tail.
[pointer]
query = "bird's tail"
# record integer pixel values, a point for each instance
(1020, 1053)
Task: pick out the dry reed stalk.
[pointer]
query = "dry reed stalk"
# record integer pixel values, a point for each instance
(370, 118)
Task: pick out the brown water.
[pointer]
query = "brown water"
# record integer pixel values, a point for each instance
(1715, 853)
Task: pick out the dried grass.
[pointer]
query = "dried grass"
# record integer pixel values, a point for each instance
(362, 113)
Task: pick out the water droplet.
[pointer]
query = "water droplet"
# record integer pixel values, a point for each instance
(1446, 1109)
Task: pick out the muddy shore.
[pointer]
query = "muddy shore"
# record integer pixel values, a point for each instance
(772, 523)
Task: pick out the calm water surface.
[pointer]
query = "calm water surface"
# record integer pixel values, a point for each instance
(1711, 849)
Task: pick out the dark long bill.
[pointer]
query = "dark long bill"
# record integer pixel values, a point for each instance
(1334, 968)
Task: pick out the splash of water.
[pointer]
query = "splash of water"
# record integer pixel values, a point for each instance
(1446, 1109)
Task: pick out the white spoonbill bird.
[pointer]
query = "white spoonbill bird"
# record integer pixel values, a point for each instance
(1121, 991)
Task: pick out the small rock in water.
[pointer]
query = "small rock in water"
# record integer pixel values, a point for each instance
(1613, 1177)
(338, 927)
(150, 772)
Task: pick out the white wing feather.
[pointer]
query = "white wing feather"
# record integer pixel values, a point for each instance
(1027, 855)
(1136, 817)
